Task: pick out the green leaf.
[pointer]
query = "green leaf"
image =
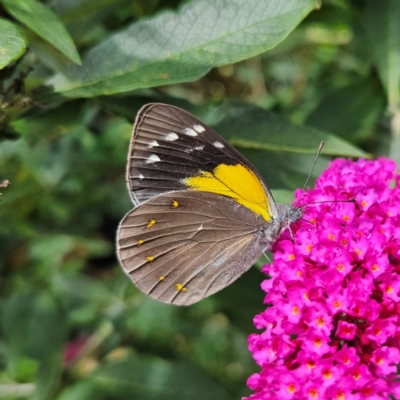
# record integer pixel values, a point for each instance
(381, 20)
(242, 299)
(82, 391)
(251, 127)
(40, 19)
(351, 112)
(283, 196)
(34, 327)
(146, 319)
(81, 288)
(285, 170)
(12, 43)
(147, 378)
(151, 378)
(83, 10)
(182, 46)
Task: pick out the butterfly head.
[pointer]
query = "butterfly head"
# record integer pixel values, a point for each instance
(285, 217)
(288, 215)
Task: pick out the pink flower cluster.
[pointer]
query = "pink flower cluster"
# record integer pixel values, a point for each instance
(332, 330)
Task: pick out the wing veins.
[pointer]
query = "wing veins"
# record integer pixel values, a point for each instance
(154, 269)
(189, 213)
(175, 147)
(198, 138)
(163, 162)
(158, 178)
(178, 254)
(195, 232)
(206, 265)
(206, 250)
(160, 119)
(209, 285)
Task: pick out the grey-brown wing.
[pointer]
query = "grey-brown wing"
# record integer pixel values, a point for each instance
(181, 247)
(168, 145)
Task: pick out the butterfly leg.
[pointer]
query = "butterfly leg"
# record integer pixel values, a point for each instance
(266, 255)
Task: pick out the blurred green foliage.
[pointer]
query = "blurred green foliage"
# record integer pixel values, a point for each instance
(72, 325)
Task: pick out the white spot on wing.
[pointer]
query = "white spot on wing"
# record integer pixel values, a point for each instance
(141, 176)
(199, 128)
(200, 227)
(152, 159)
(190, 132)
(199, 148)
(153, 143)
(171, 136)
(188, 150)
(218, 145)
(219, 261)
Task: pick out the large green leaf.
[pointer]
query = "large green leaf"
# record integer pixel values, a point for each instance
(351, 112)
(71, 11)
(44, 23)
(251, 127)
(183, 46)
(381, 19)
(12, 43)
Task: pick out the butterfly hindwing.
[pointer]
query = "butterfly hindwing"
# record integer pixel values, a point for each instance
(181, 247)
(169, 145)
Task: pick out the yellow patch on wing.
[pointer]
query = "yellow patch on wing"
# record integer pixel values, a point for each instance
(234, 181)
(151, 223)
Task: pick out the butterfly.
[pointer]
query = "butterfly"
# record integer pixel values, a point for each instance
(203, 214)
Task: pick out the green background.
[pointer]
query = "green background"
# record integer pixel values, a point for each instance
(273, 77)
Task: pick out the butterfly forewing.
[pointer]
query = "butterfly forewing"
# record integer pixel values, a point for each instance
(183, 246)
(168, 145)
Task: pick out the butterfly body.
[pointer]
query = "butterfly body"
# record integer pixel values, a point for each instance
(203, 213)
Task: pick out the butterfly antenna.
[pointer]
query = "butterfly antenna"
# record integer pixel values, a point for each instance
(330, 201)
(306, 220)
(321, 145)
